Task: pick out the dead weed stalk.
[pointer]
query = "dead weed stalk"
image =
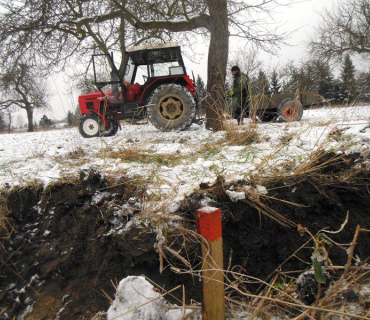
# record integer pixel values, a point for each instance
(277, 296)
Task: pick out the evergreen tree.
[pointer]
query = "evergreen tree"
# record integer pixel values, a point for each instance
(275, 85)
(70, 118)
(45, 121)
(323, 80)
(295, 78)
(348, 82)
(201, 87)
(2, 122)
(76, 115)
(262, 84)
(363, 86)
(312, 75)
(202, 93)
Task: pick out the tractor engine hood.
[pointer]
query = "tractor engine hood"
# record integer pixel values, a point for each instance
(96, 95)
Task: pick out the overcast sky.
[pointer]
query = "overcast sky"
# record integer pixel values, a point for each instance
(298, 20)
(300, 17)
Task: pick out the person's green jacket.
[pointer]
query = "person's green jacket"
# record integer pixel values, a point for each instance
(240, 88)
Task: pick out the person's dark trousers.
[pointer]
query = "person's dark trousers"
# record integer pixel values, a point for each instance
(240, 113)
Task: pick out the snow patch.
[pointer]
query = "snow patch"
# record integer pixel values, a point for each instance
(235, 196)
(136, 298)
(208, 209)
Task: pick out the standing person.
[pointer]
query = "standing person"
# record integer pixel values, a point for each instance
(239, 94)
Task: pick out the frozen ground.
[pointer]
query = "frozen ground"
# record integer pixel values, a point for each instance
(173, 164)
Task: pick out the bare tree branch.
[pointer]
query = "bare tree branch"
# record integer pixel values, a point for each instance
(345, 28)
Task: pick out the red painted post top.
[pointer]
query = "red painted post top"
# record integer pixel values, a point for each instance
(209, 223)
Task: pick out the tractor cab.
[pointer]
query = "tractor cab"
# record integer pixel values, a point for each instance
(128, 95)
(145, 64)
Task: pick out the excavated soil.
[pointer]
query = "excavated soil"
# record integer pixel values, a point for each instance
(72, 241)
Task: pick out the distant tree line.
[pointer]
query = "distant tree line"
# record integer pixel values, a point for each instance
(72, 117)
(316, 75)
(310, 75)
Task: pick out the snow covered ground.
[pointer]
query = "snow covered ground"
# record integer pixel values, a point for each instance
(175, 163)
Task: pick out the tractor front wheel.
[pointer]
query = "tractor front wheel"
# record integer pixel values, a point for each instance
(92, 126)
(290, 110)
(89, 126)
(171, 108)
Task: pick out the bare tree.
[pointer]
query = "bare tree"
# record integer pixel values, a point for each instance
(9, 111)
(22, 86)
(247, 60)
(220, 18)
(343, 29)
(59, 30)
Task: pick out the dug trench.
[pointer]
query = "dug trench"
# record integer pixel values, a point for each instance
(67, 245)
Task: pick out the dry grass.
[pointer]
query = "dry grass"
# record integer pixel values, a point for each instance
(278, 295)
(210, 148)
(6, 224)
(78, 153)
(134, 154)
(287, 138)
(241, 136)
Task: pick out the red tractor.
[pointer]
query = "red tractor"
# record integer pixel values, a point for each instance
(166, 95)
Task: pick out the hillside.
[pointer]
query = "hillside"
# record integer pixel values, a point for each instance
(80, 214)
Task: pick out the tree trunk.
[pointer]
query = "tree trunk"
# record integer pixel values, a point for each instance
(122, 47)
(29, 110)
(217, 62)
(10, 121)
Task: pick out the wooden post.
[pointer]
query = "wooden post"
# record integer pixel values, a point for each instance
(209, 225)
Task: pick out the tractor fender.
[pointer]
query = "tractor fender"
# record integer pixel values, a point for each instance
(183, 81)
(101, 116)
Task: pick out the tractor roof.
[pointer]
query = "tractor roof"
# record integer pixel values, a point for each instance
(150, 54)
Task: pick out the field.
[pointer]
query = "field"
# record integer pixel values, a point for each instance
(78, 215)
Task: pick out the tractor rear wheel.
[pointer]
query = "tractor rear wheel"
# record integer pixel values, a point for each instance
(290, 110)
(171, 108)
(89, 126)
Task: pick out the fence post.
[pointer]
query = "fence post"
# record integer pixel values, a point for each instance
(209, 225)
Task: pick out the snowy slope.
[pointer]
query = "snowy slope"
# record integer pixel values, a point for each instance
(49, 156)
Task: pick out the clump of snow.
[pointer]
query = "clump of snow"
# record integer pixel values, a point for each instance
(28, 310)
(205, 202)
(99, 197)
(261, 190)
(235, 195)
(303, 275)
(208, 209)
(136, 298)
(46, 233)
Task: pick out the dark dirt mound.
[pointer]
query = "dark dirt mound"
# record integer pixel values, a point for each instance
(260, 244)
(69, 241)
(69, 244)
